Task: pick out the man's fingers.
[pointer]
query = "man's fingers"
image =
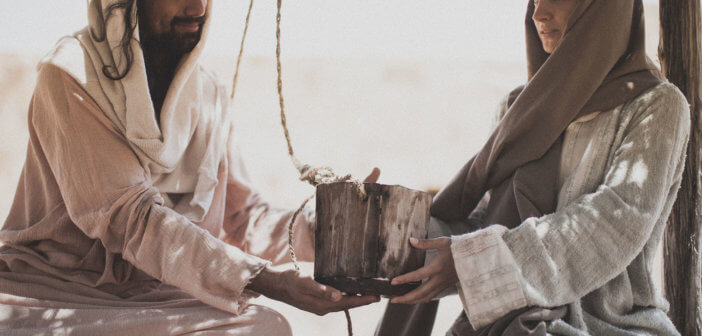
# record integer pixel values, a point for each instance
(373, 177)
(321, 291)
(415, 276)
(311, 296)
(430, 244)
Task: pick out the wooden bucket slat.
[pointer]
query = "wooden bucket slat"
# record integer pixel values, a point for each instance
(360, 244)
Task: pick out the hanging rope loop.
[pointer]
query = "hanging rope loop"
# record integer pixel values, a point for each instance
(312, 175)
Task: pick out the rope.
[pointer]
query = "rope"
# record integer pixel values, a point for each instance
(349, 326)
(241, 50)
(281, 101)
(313, 176)
(291, 232)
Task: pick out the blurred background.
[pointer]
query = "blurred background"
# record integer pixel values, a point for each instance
(408, 86)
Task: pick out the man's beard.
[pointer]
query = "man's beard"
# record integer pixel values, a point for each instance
(173, 42)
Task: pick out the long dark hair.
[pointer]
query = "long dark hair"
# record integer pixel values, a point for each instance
(112, 71)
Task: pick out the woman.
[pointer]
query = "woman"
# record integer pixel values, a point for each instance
(571, 193)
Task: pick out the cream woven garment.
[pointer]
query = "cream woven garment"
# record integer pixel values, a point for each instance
(181, 156)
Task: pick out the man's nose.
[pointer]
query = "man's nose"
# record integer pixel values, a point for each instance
(542, 12)
(195, 7)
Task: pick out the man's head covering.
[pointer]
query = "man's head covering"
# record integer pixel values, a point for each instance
(182, 153)
(599, 64)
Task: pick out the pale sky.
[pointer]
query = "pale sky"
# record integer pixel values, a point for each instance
(314, 28)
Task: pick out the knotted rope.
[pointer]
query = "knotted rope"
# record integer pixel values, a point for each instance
(312, 175)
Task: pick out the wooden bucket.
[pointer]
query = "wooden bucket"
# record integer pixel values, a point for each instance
(361, 244)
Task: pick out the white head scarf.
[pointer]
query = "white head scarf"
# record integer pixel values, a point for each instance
(183, 155)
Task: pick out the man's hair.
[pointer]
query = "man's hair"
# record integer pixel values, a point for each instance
(112, 71)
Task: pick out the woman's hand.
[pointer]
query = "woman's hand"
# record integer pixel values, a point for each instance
(302, 292)
(440, 272)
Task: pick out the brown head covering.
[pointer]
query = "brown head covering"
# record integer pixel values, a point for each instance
(600, 63)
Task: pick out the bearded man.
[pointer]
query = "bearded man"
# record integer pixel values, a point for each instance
(134, 214)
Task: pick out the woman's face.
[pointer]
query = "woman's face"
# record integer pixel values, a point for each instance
(551, 20)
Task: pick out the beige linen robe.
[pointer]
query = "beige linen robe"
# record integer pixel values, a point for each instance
(90, 248)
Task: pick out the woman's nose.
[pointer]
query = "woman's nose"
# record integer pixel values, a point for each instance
(195, 8)
(541, 11)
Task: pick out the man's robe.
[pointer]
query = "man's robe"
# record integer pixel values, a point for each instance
(91, 247)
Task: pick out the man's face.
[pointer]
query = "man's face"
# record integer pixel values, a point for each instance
(172, 25)
(551, 20)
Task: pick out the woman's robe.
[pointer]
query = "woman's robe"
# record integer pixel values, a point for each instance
(620, 171)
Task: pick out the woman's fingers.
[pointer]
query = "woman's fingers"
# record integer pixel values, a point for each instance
(415, 276)
(423, 293)
(433, 291)
(425, 298)
(430, 244)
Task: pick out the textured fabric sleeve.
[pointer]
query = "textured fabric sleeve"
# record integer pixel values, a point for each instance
(556, 259)
(110, 199)
(488, 277)
(257, 228)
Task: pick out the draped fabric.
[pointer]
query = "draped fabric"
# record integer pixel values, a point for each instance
(600, 64)
(182, 151)
(124, 225)
(89, 248)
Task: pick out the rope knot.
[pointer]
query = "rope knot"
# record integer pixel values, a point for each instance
(324, 175)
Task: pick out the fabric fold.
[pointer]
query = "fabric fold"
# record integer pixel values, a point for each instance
(599, 64)
(189, 127)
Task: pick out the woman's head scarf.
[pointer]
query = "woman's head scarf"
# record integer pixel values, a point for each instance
(599, 64)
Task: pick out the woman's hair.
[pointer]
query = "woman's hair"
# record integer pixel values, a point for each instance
(112, 71)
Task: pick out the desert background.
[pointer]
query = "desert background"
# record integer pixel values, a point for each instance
(408, 86)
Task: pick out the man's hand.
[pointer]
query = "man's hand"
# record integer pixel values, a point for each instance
(440, 272)
(373, 177)
(302, 292)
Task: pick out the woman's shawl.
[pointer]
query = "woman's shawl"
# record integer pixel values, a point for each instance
(599, 64)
